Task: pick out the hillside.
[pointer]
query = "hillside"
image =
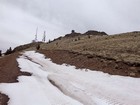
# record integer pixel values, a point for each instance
(121, 47)
(114, 54)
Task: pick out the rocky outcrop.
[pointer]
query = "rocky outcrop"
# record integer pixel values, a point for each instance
(90, 32)
(93, 32)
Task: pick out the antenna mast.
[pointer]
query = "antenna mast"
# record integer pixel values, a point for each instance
(36, 34)
(44, 37)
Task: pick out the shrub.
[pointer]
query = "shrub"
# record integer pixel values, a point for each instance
(57, 43)
(49, 41)
(0, 53)
(78, 38)
(38, 47)
(9, 51)
(75, 39)
(89, 36)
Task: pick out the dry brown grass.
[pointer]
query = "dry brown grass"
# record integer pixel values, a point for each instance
(122, 47)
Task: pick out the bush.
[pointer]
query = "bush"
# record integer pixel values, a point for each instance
(78, 38)
(9, 51)
(0, 53)
(75, 39)
(38, 47)
(49, 41)
(57, 43)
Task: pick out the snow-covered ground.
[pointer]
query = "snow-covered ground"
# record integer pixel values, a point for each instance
(52, 84)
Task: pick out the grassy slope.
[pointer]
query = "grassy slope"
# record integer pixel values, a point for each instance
(122, 47)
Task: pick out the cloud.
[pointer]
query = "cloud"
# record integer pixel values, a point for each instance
(18, 26)
(19, 18)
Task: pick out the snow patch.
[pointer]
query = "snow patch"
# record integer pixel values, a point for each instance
(71, 86)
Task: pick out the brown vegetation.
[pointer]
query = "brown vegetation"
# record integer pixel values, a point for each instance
(121, 47)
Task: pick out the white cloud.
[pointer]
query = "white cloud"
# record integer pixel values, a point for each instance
(18, 27)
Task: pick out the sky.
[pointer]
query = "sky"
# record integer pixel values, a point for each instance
(20, 18)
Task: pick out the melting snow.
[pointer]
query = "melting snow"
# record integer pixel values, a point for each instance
(68, 86)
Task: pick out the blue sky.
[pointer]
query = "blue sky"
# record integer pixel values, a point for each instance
(20, 18)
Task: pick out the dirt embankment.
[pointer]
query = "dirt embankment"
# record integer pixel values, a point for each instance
(92, 62)
(9, 71)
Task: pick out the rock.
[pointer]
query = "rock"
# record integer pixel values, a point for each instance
(93, 32)
(89, 56)
(132, 74)
(133, 68)
(138, 71)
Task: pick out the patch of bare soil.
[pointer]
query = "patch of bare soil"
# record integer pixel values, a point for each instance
(9, 71)
(92, 62)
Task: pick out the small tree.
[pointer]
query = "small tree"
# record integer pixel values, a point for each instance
(0, 53)
(9, 51)
(49, 41)
(75, 39)
(78, 38)
(38, 47)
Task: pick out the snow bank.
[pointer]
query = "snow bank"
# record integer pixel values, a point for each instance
(68, 86)
(35, 89)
